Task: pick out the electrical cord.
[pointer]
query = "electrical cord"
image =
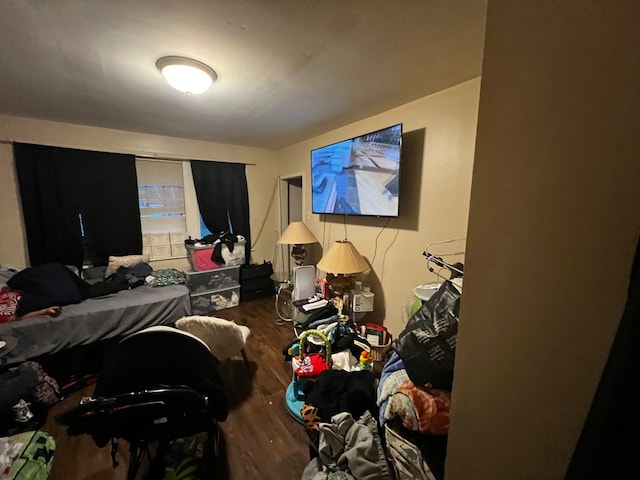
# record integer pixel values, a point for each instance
(375, 249)
(266, 215)
(384, 257)
(281, 317)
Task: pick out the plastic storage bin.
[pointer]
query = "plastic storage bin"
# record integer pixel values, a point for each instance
(217, 279)
(200, 256)
(211, 301)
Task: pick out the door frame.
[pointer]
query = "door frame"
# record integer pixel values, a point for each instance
(285, 203)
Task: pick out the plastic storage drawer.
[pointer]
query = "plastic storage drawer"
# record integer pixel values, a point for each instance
(206, 302)
(218, 279)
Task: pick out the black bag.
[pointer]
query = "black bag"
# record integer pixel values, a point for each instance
(428, 342)
(259, 271)
(255, 281)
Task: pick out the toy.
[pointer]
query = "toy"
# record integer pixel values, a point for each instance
(365, 361)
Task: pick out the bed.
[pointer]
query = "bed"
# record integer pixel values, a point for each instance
(94, 320)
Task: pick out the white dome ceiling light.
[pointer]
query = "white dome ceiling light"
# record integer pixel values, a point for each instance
(187, 75)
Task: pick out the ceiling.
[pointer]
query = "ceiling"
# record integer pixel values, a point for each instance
(287, 70)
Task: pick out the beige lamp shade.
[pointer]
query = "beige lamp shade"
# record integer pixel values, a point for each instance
(342, 258)
(297, 233)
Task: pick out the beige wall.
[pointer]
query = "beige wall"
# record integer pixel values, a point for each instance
(12, 241)
(261, 177)
(553, 225)
(439, 138)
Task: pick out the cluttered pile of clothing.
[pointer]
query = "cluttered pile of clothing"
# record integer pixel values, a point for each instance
(333, 393)
(414, 392)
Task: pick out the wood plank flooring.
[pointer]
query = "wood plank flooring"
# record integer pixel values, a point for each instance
(262, 440)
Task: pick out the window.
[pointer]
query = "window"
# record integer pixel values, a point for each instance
(169, 210)
(168, 207)
(161, 198)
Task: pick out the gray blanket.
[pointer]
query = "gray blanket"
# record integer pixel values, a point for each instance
(96, 319)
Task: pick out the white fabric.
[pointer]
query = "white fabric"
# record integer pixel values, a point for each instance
(225, 338)
(344, 361)
(164, 328)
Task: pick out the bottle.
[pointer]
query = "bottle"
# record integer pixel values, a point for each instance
(365, 361)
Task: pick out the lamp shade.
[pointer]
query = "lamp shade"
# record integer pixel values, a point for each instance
(342, 258)
(297, 233)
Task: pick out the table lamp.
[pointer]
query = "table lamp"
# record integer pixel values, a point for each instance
(297, 234)
(340, 261)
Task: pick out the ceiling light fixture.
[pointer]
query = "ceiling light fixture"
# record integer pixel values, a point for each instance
(187, 75)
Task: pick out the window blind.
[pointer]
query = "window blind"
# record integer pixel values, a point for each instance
(161, 196)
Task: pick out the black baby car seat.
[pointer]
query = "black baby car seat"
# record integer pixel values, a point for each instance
(157, 385)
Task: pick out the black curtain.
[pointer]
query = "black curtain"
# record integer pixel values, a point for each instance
(61, 186)
(223, 198)
(607, 447)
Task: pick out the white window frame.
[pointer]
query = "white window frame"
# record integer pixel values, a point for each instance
(164, 244)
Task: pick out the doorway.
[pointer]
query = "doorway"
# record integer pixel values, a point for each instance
(291, 210)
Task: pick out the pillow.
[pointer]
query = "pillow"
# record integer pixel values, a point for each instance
(126, 261)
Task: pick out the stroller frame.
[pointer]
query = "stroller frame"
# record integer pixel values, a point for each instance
(144, 396)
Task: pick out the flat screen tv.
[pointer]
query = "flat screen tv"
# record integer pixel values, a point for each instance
(359, 176)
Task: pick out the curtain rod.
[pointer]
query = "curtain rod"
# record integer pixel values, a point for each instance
(151, 157)
(174, 159)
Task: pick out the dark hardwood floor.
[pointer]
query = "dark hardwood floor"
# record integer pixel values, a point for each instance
(262, 440)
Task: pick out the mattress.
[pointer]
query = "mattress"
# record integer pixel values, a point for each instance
(96, 319)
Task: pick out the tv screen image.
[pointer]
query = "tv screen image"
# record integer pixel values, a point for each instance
(359, 176)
